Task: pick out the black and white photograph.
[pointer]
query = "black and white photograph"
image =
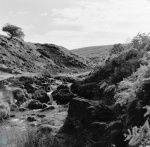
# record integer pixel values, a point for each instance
(74, 73)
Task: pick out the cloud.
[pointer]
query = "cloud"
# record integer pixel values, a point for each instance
(75, 39)
(78, 23)
(10, 12)
(103, 19)
(17, 12)
(88, 14)
(22, 12)
(27, 27)
(44, 14)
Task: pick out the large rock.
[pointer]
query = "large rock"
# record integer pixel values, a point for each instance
(31, 88)
(31, 119)
(34, 104)
(13, 107)
(63, 86)
(20, 96)
(63, 96)
(88, 124)
(41, 96)
(88, 111)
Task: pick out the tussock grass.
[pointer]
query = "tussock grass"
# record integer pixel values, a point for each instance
(25, 137)
(19, 136)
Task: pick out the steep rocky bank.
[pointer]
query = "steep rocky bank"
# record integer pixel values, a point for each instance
(31, 57)
(112, 108)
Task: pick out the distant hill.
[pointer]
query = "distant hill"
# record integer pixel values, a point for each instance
(34, 57)
(93, 53)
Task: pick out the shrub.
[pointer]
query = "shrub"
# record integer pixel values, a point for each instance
(13, 31)
(117, 49)
(139, 137)
(140, 41)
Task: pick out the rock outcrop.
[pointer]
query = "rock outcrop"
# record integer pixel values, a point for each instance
(89, 123)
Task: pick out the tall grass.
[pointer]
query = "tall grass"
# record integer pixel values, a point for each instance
(25, 137)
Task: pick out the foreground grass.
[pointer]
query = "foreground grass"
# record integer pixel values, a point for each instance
(24, 137)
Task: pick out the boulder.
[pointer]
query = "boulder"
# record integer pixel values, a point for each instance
(12, 115)
(41, 115)
(48, 108)
(22, 109)
(41, 96)
(63, 86)
(34, 104)
(81, 109)
(44, 105)
(25, 79)
(31, 119)
(13, 107)
(31, 88)
(50, 103)
(20, 95)
(88, 124)
(63, 96)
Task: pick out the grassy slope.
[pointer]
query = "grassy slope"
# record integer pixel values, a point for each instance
(93, 51)
(31, 57)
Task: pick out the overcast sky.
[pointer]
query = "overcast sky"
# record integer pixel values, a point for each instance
(77, 23)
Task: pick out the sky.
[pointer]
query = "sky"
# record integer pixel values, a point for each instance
(77, 23)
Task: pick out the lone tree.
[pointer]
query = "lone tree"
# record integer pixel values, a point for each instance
(13, 31)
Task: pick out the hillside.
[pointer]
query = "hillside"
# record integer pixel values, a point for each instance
(113, 103)
(31, 57)
(94, 53)
(108, 107)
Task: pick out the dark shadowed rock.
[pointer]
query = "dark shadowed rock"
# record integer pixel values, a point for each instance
(13, 107)
(20, 96)
(63, 96)
(44, 105)
(86, 123)
(31, 119)
(34, 104)
(49, 103)
(22, 109)
(41, 96)
(12, 115)
(63, 86)
(31, 88)
(41, 115)
(48, 108)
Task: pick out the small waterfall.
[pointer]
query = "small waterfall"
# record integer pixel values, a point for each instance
(50, 96)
